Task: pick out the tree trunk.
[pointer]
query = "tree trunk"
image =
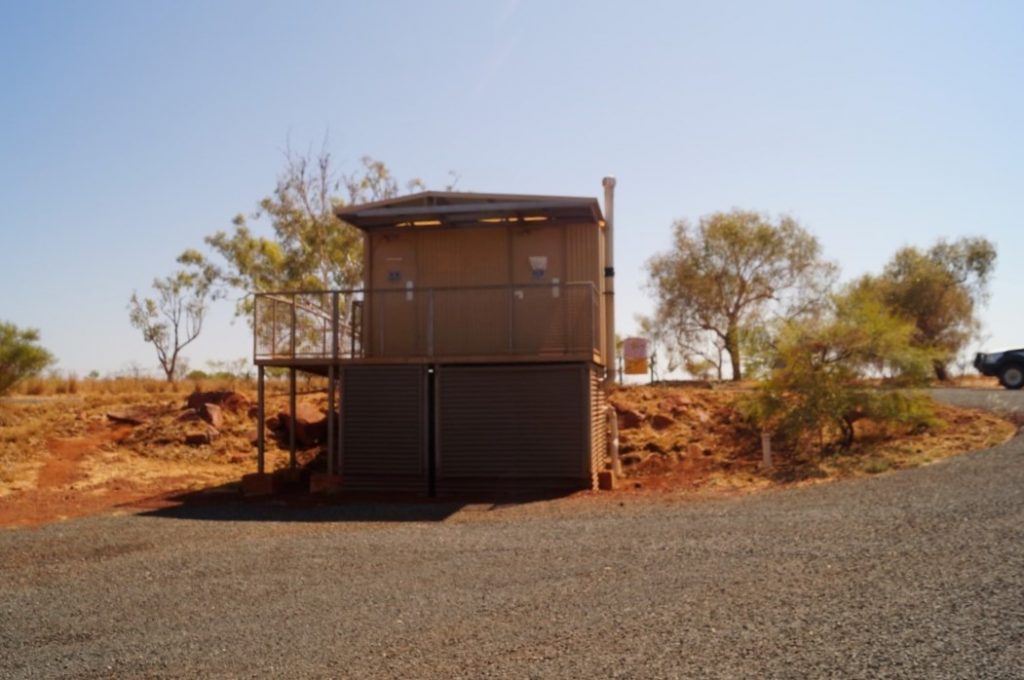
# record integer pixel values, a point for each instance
(941, 372)
(732, 347)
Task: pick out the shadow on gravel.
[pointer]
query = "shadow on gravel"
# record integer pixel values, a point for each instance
(225, 504)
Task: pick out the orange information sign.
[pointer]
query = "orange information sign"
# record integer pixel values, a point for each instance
(636, 366)
(634, 350)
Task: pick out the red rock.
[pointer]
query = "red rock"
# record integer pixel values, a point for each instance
(630, 419)
(212, 414)
(126, 418)
(310, 425)
(662, 422)
(605, 480)
(188, 415)
(204, 438)
(226, 399)
(654, 447)
(675, 404)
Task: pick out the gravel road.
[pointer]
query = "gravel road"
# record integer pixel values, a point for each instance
(910, 574)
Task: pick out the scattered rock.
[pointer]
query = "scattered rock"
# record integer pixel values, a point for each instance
(228, 400)
(675, 404)
(702, 416)
(310, 425)
(654, 447)
(694, 450)
(188, 415)
(630, 459)
(212, 414)
(204, 438)
(630, 419)
(127, 418)
(661, 422)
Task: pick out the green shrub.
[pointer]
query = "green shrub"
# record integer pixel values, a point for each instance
(854, 363)
(20, 355)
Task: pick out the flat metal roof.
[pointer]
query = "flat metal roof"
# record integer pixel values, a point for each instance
(445, 208)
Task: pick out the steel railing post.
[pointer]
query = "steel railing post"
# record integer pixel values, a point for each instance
(294, 325)
(331, 385)
(430, 322)
(260, 422)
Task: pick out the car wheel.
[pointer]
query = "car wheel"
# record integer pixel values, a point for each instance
(1012, 377)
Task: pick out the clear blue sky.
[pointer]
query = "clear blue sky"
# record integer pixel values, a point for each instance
(130, 130)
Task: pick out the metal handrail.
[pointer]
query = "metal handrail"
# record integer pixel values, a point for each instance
(333, 322)
(494, 286)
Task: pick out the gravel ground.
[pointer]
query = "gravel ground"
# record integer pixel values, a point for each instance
(910, 574)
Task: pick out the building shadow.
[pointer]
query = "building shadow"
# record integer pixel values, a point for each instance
(225, 503)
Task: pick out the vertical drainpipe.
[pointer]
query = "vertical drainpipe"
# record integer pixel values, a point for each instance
(609, 280)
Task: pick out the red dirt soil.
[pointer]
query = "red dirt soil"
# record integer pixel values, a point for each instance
(58, 494)
(687, 441)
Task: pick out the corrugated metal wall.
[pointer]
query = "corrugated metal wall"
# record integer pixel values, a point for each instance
(383, 428)
(598, 424)
(521, 428)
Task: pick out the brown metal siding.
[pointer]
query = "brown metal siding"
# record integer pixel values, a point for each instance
(598, 425)
(539, 313)
(581, 254)
(383, 428)
(516, 427)
(466, 322)
(542, 321)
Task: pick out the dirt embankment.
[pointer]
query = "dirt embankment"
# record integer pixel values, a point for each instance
(76, 455)
(695, 439)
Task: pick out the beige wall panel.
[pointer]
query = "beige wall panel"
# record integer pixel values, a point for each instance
(538, 307)
(395, 328)
(583, 265)
(467, 322)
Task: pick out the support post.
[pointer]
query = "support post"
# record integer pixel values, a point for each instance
(330, 419)
(340, 453)
(261, 445)
(766, 451)
(331, 384)
(292, 461)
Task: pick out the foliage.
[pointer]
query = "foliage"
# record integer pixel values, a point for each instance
(732, 273)
(817, 388)
(20, 355)
(174, 318)
(310, 250)
(939, 291)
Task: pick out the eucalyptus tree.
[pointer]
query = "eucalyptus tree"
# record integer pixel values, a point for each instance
(730, 275)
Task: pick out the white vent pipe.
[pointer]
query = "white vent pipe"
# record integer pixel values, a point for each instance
(609, 280)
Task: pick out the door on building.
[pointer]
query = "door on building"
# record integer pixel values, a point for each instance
(396, 307)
